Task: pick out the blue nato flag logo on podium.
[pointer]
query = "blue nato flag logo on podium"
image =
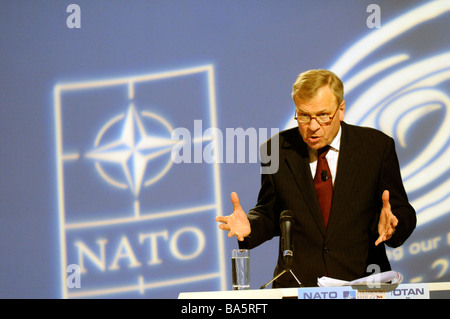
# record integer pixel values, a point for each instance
(127, 217)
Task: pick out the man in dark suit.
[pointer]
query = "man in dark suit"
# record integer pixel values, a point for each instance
(369, 206)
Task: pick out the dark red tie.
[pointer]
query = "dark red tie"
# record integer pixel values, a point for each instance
(323, 183)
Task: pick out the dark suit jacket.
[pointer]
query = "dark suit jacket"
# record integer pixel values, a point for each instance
(367, 166)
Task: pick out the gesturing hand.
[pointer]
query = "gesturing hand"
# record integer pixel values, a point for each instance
(237, 223)
(388, 221)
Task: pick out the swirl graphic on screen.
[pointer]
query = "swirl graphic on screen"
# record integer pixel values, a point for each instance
(397, 94)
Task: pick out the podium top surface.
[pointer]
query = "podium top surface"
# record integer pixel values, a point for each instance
(277, 293)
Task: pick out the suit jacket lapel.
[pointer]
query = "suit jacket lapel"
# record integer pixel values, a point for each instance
(297, 159)
(349, 158)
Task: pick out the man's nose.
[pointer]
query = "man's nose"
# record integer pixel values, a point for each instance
(313, 125)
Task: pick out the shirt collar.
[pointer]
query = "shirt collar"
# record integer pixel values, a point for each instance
(336, 143)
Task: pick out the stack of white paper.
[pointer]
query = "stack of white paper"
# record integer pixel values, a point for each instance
(391, 277)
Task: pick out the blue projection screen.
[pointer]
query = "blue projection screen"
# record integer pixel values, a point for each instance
(125, 126)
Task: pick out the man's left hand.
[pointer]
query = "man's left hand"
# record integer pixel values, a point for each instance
(388, 221)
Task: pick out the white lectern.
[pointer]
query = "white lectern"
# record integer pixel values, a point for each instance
(242, 294)
(290, 293)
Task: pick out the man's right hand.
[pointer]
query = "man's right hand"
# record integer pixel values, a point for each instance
(237, 224)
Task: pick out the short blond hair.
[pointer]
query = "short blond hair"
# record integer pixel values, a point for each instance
(307, 84)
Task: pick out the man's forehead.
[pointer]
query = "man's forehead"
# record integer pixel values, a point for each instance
(313, 105)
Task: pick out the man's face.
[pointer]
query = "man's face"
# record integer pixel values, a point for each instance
(324, 102)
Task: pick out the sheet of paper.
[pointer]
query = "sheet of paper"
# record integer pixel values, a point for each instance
(391, 277)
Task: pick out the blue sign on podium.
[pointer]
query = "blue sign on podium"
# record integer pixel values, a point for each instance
(402, 291)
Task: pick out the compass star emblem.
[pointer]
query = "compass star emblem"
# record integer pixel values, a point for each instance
(133, 150)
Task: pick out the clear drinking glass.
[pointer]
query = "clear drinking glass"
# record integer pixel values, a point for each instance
(240, 269)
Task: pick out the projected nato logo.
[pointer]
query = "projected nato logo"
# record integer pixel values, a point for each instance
(131, 220)
(133, 149)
